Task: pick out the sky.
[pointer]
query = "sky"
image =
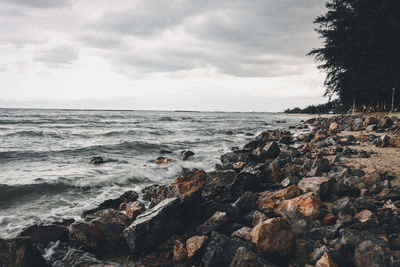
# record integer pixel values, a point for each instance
(225, 55)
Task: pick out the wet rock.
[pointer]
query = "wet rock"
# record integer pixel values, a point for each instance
(214, 223)
(245, 181)
(133, 209)
(97, 160)
(273, 236)
(128, 196)
(246, 258)
(232, 157)
(318, 185)
(45, 233)
(239, 165)
(164, 160)
(254, 144)
(385, 122)
(186, 186)
(369, 254)
(78, 257)
(267, 201)
(243, 233)
(195, 244)
(246, 202)
(185, 154)
(218, 183)
(179, 251)
(263, 136)
(101, 231)
(149, 191)
(165, 151)
(153, 226)
(220, 250)
(20, 251)
(269, 151)
(326, 261)
(308, 204)
(291, 180)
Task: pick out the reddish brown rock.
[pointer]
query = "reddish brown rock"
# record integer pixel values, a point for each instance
(194, 244)
(334, 127)
(244, 233)
(308, 204)
(239, 165)
(216, 221)
(318, 185)
(180, 252)
(162, 160)
(326, 261)
(190, 183)
(273, 236)
(268, 201)
(134, 209)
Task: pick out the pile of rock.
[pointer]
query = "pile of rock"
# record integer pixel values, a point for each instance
(280, 201)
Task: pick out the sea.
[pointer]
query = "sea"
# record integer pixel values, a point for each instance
(45, 169)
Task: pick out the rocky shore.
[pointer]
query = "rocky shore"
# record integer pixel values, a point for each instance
(312, 199)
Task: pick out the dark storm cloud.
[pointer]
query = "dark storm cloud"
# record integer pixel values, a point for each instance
(255, 38)
(58, 56)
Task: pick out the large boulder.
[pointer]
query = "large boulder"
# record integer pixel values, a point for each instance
(232, 157)
(20, 252)
(215, 222)
(307, 204)
(273, 236)
(101, 231)
(45, 233)
(128, 196)
(152, 227)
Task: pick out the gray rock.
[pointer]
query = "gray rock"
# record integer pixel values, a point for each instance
(152, 227)
(369, 254)
(246, 258)
(218, 183)
(20, 251)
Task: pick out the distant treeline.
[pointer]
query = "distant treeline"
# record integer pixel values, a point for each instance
(334, 106)
(360, 53)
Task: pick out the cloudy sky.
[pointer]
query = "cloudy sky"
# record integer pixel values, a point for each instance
(230, 55)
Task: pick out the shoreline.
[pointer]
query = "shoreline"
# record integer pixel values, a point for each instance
(328, 197)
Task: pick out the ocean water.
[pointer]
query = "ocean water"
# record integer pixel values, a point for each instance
(45, 170)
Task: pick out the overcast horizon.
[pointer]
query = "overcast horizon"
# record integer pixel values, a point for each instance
(225, 55)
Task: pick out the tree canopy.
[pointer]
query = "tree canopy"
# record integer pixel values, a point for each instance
(361, 51)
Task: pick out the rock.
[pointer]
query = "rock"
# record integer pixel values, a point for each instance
(344, 204)
(220, 250)
(165, 151)
(101, 231)
(254, 144)
(214, 223)
(291, 180)
(308, 204)
(270, 151)
(263, 136)
(371, 128)
(185, 154)
(246, 202)
(386, 140)
(97, 160)
(233, 157)
(318, 185)
(245, 181)
(21, 252)
(152, 227)
(44, 234)
(186, 186)
(328, 219)
(149, 192)
(370, 121)
(326, 261)
(194, 245)
(245, 258)
(228, 132)
(334, 127)
(357, 124)
(179, 251)
(267, 201)
(133, 209)
(128, 196)
(273, 236)
(218, 183)
(320, 166)
(164, 160)
(243, 233)
(369, 254)
(298, 222)
(385, 122)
